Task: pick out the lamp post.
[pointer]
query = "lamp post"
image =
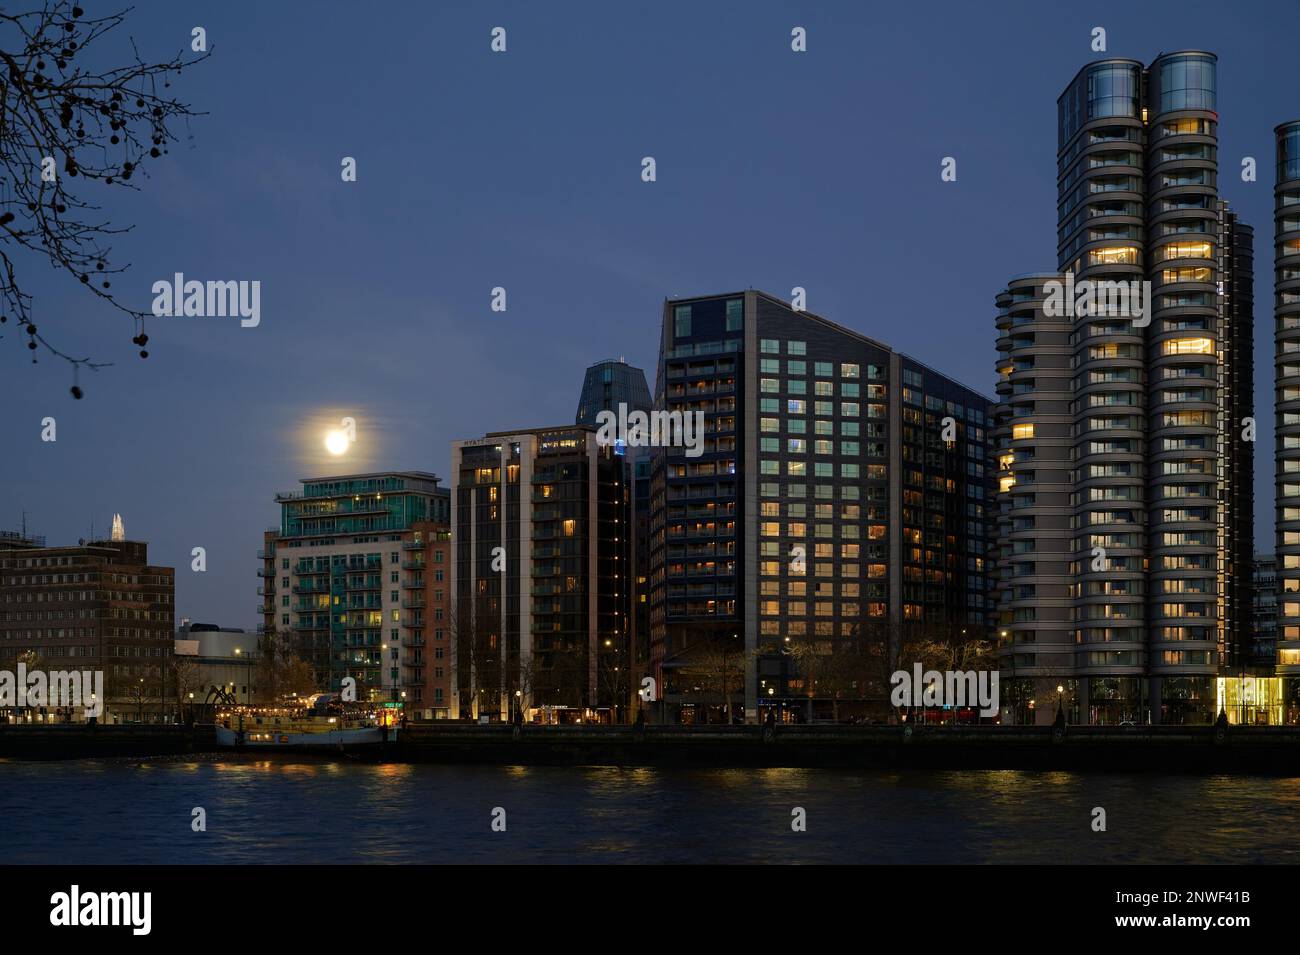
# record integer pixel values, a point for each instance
(248, 675)
(382, 664)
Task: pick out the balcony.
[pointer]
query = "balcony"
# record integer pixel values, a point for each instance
(412, 565)
(266, 590)
(412, 623)
(414, 545)
(263, 572)
(415, 603)
(413, 583)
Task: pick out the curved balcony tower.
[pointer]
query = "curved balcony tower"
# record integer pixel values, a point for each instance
(1033, 447)
(1189, 434)
(1286, 304)
(1102, 238)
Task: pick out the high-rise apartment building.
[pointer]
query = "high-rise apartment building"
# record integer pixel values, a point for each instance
(1286, 311)
(840, 497)
(539, 577)
(606, 386)
(96, 605)
(353, 578)
(1130, 422)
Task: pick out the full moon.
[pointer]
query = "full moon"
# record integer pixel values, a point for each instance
(336, 442)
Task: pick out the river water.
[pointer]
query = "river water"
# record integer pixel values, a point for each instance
(285, 809)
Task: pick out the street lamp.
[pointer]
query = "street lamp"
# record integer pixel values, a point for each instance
(383, 652)
(248, 696)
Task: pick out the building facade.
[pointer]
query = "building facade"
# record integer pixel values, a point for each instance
(1286, 312)
(840, 498)
(345, 582)
(1153, 405)
(608, 384)
(540, 577)
(224, 666)
(1263, 649)
(97, 605)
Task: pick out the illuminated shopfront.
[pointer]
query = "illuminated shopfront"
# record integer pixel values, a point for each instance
(1251, 700)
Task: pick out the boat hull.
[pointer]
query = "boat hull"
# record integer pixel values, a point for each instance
(267, 739)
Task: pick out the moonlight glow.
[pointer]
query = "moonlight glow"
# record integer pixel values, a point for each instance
(336, 442)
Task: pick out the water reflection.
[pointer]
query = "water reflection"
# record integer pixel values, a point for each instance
(268, 809)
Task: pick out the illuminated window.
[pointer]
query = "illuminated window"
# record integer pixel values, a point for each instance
(570, 526)
(1022, 431)
(1187, 346)
(1185, 250)
(1117, 255)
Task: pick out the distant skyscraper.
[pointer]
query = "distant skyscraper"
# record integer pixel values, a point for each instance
(1125, 543)
(842, 498)
(118, 533)
(608, 384)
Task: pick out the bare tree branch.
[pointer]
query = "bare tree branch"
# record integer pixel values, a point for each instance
(63, 118)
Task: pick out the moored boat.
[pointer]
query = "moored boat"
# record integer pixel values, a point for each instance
(319, 721)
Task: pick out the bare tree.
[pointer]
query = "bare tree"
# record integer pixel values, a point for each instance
(825, 668)
(137, 693)
(614, 679)
(186, 674)
(717, 668)
(280, 671)
(31, 659)
(475, 628)
(522, 672)
(65, 115)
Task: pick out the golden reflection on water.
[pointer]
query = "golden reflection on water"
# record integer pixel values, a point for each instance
(393, 772)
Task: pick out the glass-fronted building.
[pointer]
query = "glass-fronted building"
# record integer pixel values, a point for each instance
(608, 384)
(840, 496)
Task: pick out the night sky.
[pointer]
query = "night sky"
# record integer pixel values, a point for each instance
(522, 170)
